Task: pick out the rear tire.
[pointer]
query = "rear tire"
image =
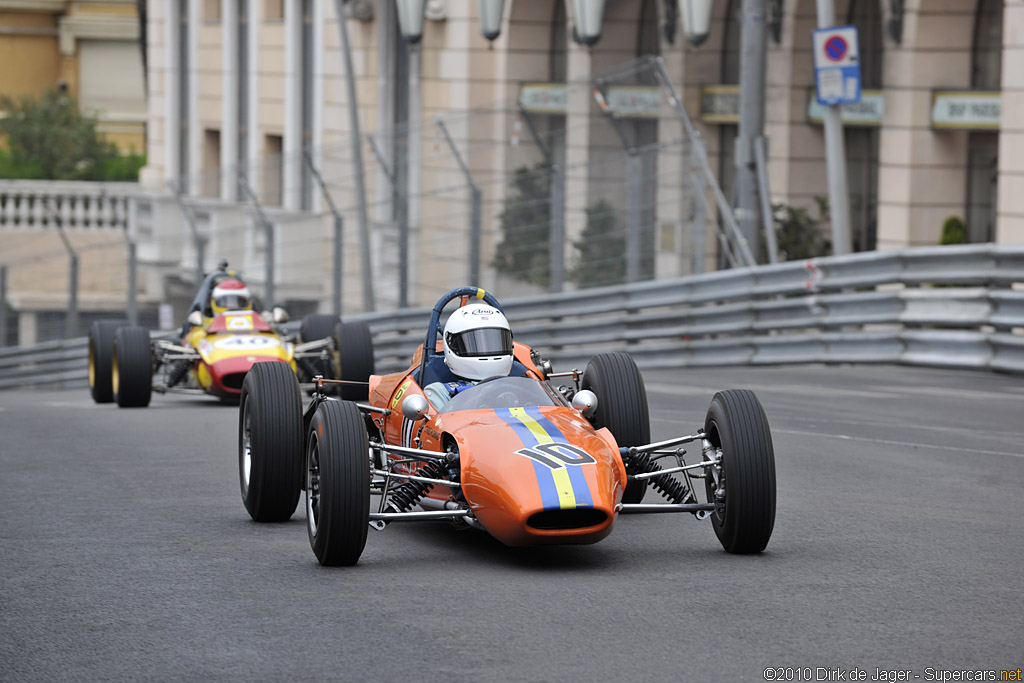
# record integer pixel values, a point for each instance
(101, 357)
(353, 360)
(736, 423)
(337, 484)
(132, 363)
(315, 327)
(270, 442)
(621, 407)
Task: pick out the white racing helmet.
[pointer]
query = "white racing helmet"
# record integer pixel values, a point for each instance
(478, 342)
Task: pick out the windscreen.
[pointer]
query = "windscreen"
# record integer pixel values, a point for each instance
(507, 392)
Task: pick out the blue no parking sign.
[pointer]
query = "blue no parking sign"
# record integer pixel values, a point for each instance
(837, 65)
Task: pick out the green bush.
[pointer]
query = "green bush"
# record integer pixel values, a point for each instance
(524, 251)
(49, 138)
(799, 234)
(954, 231)
(601, 249)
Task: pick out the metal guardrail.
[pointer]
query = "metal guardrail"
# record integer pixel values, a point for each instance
(957, 307)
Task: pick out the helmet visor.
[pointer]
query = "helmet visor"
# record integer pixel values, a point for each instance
(232, 302)
(489, 341)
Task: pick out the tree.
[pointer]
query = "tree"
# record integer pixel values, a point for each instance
(954, 231)
(601, 258)
(800, 235)
(49, 138)
(526, 227)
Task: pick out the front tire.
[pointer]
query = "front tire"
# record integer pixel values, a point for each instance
(736, 424)
(101, 356)
(337, 484)
(353, 359)
(132, 362)
(270, 442)
(621, 407)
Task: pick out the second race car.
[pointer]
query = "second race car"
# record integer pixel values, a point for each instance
(223, 337)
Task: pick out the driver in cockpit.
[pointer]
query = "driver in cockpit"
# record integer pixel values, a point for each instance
(477, 346)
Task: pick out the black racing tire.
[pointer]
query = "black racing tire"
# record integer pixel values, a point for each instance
(131, 378)
(101, 357)
(621, 407)
(270, 442)
(736, 423)
(337, 484)
(353, 359)
(315, 327)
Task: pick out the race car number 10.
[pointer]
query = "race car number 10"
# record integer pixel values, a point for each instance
(556, 455)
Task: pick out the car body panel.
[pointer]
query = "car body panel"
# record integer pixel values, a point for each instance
(229, 346)
(516, 462)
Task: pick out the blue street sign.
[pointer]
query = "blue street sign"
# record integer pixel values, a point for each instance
(837, 65)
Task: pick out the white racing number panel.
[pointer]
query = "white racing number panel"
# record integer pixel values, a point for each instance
(246, 342)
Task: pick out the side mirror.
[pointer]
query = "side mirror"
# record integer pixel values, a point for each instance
(415, 407)
(585, 401)
(195, 318)
(279, 315)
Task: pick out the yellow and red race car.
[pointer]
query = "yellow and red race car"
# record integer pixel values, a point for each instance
(523, 458)
(218, 346)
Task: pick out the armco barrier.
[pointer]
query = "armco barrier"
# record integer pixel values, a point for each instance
(958, 307)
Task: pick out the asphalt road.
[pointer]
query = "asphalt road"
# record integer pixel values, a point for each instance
(126, 553)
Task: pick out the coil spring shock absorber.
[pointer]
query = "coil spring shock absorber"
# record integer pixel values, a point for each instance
(410, 493)
(673, 489)
(178, 372)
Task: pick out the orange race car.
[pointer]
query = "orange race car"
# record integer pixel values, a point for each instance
(476, 432)
(223, 337)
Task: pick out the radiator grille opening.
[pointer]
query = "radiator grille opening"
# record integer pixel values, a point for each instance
(233, 381)
(579, 518)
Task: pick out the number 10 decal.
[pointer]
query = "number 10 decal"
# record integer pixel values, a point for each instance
(557, 455)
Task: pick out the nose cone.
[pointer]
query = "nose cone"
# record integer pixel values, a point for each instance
(537, 475)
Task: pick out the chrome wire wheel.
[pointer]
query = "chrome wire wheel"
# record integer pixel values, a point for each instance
(92, 366)
(313, 485)
(115, 376)
(246, 449)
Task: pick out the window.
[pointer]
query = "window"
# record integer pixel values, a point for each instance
(273, 190)
(211, 10)
(273, 10)
(211, 163)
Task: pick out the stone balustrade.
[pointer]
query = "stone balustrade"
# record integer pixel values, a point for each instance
(79, 206)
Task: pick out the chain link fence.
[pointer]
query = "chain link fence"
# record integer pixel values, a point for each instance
(563, 187)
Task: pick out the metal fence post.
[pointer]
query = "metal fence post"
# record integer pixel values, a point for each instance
(339, 225)
(557, 218)
(474, 236)
(634, 220)
(268, 231)
(402, 219)
(71, 323)
(339, 232)
(733, 231)
(475, 211)
(3, 305)
(357, 153)
(700, 216)
(199, 241)
(132, 304)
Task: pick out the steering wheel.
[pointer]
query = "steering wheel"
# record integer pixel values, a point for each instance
(434, 327)
(491, 379)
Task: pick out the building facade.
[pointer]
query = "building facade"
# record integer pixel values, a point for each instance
(90, 47)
